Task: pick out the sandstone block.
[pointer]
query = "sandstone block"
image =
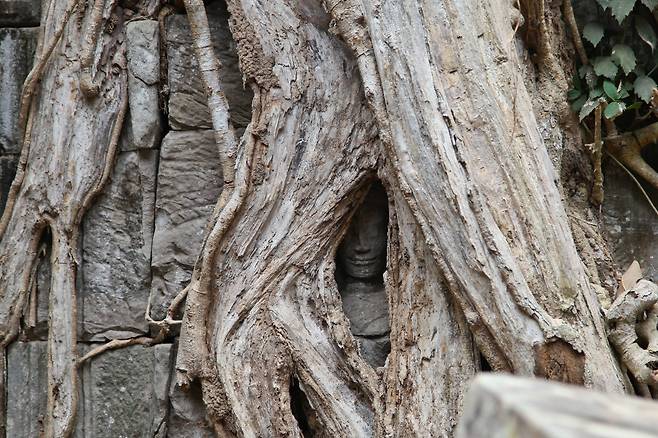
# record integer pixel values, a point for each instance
(143, 47)
(189, 183)
(188, 107)
(116, 249)
(17, 48)
(20, 13)
(27, 380)
(630, 221)
(125, 393)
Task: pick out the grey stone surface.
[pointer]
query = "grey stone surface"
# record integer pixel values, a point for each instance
(27, 380)
(126, 393)
(504, 406)
(7, 171)
(187, 412)
(361, 262)
(630, 221)
(36, 320)
(116, 250)
(20, 13)
(189, 184)
(143, 44)
(367, 308)
(187, 99)
(17, 48)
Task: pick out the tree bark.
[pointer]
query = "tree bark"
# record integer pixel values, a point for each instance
(429, 98)
(68, 152)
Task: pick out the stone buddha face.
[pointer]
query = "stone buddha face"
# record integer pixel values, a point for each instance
(362, 253)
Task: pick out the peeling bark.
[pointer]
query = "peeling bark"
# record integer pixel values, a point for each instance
(515, 282)
(425, 96)
(68, 153)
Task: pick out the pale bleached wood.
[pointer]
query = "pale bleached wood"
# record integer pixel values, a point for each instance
(503, 406)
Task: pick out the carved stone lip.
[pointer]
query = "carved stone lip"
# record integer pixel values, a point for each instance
(360, 261)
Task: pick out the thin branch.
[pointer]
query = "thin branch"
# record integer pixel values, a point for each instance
(582, 220)
(573, 27)
(597, 154)
(636, 182)
(119, 343)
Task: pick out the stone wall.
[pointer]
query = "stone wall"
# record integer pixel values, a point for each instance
(141, 237)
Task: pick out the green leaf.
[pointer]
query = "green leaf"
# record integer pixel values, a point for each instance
(651, 4)
(635, 105)
(605, 3)
(613, 110)
(573, 94)
(595, 92)
(646, 32)
(593, 32)
(610, 90)
(584, 70)
(621, 8)
(644, 87)
(624, 56)
(587, 72)
(603, 66)
(589, 106)
(578, 104)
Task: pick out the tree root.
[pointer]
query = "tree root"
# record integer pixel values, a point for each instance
(193, 355)
(636, 304)
(87, 85)
(116, 344)
(627, 148)
(210, 68)
(573, 27)
(110, 156)
(597, 154)
(27, 93)
(169, 320)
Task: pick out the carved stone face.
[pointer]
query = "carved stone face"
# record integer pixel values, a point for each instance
(362, 253)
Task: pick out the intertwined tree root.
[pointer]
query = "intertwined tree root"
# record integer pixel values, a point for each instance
(55, 194)
(632, 319)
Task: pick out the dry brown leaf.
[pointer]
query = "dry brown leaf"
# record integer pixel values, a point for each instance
(632, 275)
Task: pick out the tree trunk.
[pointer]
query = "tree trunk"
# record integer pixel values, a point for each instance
(434, 99)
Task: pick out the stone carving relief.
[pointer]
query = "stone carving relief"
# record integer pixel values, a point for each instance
(361, 262)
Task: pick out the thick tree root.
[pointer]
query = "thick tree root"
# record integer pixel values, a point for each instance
(44, 195)
(636, 304)
(210, 68)
(27, 93)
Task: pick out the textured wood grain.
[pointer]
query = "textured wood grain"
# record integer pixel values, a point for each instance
(503, 406)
